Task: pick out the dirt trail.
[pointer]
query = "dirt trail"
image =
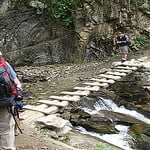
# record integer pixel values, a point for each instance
(34, 139)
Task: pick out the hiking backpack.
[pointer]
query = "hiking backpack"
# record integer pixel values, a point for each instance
(127, 39)
(7, 85)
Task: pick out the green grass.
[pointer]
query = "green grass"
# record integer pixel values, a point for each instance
(101, 146)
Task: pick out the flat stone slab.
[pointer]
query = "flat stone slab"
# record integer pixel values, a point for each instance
(53, 121)
(121, 70)
(103, 80)
(80, 93)
(66, 98)
(29, 116)
(125, 68)
(116, 73)
(132, 63)
(42, 108)
(88, 88)
(55, 103)
(146, 65)
(96, 84)
(110, 76)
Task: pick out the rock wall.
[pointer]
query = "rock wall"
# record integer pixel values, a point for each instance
(28, 38)
(98, 22)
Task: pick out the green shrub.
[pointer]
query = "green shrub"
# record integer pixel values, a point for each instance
(140, 41)
(60, 10)
(101, 146)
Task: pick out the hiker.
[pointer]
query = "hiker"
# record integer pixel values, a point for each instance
(7, 121)
(123, 42)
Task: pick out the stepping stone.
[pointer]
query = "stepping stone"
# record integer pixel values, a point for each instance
(80, 93)
(54, 103)
(128, 63)
(97, 84)
(126, 68)
(121, 70)
(103, 80)
(88, 88)
(147, 87)
(66, 98)
(116, 73)
(131, 64)
(29, 116)
(53, 121)
(110, 76)
(42, 108)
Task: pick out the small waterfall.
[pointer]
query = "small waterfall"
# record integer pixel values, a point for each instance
(108, 104)
(122, 140)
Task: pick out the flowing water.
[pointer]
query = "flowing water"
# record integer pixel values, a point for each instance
(123, 139)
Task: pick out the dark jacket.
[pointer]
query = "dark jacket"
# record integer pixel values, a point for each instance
(123, 38)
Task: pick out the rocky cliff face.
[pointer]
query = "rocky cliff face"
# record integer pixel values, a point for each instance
(27, 38)
(98, 22)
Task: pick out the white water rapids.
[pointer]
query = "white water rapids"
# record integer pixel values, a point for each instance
(122, 139)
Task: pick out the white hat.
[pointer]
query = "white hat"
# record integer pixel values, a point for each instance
(0, 53)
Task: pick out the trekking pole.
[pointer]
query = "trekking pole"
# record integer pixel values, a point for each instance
(10, 110)
(17, 123)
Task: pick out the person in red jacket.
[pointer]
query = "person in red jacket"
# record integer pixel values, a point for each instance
(7, 122)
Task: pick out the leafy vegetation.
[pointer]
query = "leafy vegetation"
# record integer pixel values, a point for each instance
(140, 41)
(61, 10)
(101, 146)
(140, 2)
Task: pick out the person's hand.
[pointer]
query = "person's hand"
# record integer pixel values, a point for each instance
(118, 42)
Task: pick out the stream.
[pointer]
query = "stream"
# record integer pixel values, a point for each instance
(123, 139)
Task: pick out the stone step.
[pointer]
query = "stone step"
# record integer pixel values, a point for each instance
(103, 80)
(29, 116)
(66, 98)
(121, 70)
(128, 63)
(147, 87)
(125, 68)
(116, 73)
(131, 64)
(96, 84)
(42, 108)
(79, 93)
(88, 88)
(110, 76)
(53, 121)
(55, 103)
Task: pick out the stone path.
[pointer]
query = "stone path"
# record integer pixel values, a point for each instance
(49, 108)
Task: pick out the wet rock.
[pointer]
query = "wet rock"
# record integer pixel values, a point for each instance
(97, 123)
(142, 135)
(131, 92)
(121, 118)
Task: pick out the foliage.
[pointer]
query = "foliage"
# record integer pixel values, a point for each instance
(140, 40)
(61, 10)
(140, 3)
(101, 146)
